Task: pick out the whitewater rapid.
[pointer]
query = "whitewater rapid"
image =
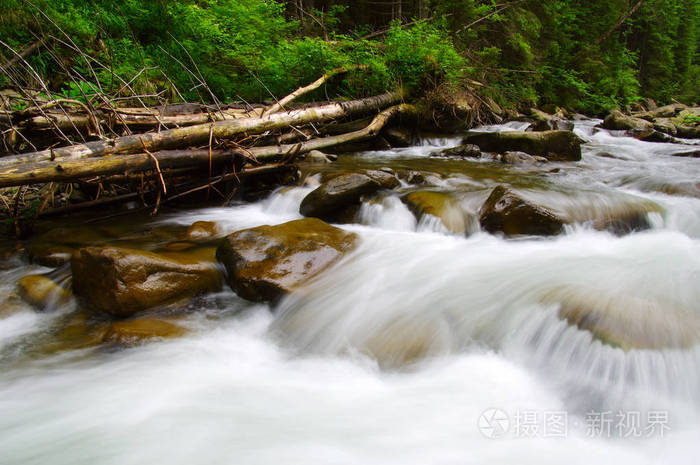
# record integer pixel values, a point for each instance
(401, 353)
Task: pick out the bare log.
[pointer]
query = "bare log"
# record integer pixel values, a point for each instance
(73, 169)
(279, 106)
(199, 134)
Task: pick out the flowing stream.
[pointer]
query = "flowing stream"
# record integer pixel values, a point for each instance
(421, 346)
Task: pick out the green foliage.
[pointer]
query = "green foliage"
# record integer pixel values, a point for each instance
(525, 53)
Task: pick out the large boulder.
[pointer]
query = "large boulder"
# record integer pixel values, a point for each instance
(553, 145)
(267, 262)
(509, 213)
(439, 205)
(329, 199)
(616, 120)
(123, 282)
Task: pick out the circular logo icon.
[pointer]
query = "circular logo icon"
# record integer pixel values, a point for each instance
(494, 423)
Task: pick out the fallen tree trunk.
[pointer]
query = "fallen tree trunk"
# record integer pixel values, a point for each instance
(279, 106)
(73, 169)
(200, 134)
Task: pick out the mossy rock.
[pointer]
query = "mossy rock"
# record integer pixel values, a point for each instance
(201, 230)
(616, 120)
(553, 145)
(267, 262)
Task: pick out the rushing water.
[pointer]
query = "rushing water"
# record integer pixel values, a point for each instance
(394, 354)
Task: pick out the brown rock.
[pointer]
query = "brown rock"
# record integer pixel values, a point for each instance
(124, 281)
(201, 230)
(267, 262)
(340, 192)
(506, 212)
(440, 205)
(41, 292)
(141, 330)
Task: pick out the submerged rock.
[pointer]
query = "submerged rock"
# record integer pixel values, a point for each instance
(440, 205)
(123, 282)
(627, 322)
(506, 212)
(553, 145)
(201, 230)
(141, 330)
(267, 262)
(41, 292)
(335, 195)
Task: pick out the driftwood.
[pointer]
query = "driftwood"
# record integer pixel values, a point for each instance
(200, 134)
(71, 169)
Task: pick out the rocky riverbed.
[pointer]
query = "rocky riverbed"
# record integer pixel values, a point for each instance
(539, 271)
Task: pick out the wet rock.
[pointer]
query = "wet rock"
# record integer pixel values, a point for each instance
(546, 122)
(461, 151)
(667, 111)
(627, 322)
(616, 120)
(656, 136)
(331, 197)
(47, 254)
(385, 177)
(519, 159)
(415, 177)
(398, 136)
(41, 292)
(666, 126)
(267, 262)
(553, 145)
(316, 156)
(123, 282)
(506, 212)
(688, 153)
(141, 330)
(201, 230)
(440, 205)
(74, 332)
(688, 132)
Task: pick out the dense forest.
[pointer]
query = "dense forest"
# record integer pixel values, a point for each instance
(587, 56)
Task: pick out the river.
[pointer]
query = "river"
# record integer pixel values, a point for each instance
(421, 346)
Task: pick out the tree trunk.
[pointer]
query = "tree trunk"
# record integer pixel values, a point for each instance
(200, 134)
(71, 169)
